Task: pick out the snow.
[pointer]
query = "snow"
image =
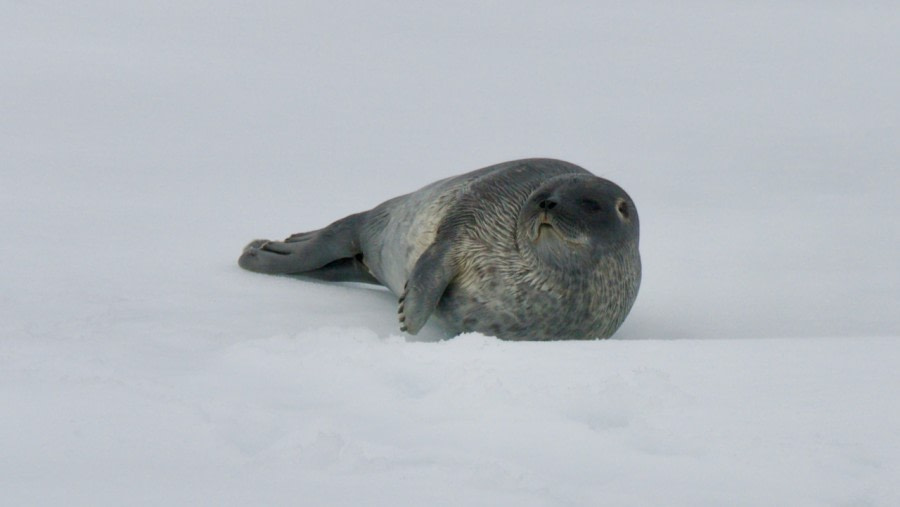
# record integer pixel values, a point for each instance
(142, 145)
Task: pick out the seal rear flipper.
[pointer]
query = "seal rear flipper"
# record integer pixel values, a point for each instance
(305, 252)
(431, 275)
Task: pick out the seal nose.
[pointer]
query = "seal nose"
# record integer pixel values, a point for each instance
(547, 204)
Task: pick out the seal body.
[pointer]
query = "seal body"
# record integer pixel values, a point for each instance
(534, 249)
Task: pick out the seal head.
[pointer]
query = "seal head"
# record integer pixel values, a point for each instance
(577, 218)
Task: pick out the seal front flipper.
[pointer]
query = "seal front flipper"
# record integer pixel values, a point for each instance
(332, 253)
(431, 275)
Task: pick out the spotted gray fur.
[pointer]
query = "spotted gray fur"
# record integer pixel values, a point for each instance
(534, 249)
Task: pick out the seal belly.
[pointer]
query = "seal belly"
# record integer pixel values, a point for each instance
(398, 231)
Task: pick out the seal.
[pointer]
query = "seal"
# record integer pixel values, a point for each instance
(534, 249)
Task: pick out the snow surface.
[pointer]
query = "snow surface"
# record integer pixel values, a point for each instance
(143, 144)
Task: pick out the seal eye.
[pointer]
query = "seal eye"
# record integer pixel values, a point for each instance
(622, 208)
(590, 205)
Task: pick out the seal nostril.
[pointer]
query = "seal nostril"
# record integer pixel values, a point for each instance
(547, 204)
(622, 208)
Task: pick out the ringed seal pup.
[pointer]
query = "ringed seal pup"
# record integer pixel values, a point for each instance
(534, 249)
